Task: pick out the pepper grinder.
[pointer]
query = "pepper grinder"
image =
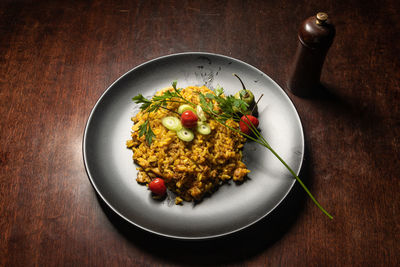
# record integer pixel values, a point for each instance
(315, 37)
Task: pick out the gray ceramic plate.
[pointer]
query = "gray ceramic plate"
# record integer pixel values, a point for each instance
(233, 207)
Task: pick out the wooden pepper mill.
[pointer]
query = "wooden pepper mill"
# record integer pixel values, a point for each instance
(315, 37)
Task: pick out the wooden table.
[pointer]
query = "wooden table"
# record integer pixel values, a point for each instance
(57, 58)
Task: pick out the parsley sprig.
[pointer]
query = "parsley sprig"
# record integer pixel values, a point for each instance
(157, 102)
(220, 108)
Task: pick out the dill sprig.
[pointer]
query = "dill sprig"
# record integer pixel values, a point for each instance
(219, 107)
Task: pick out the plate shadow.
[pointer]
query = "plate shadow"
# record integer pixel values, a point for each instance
(231, 248)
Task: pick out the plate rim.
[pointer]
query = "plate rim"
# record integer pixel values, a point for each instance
(177, 237)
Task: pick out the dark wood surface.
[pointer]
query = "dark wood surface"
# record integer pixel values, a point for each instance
(56, 59)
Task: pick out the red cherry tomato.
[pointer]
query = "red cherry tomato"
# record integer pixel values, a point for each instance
(246, 121)
(157, 186)
(189, 119)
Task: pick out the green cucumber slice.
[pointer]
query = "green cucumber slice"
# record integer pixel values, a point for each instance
(200, 113)
(185, 135)
(172, 123)
(184, 107)
(203, 128)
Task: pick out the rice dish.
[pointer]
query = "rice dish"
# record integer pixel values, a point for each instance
(192, 169)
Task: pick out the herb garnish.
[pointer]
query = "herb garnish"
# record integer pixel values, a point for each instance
(220, 108)
(155, 104)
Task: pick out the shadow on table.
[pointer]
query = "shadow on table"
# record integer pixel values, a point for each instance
(232, 248)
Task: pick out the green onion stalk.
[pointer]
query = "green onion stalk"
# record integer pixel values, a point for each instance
(261, 140)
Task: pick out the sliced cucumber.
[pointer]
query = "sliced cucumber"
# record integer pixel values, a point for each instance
(172, 123)
(200, 113)
(184, 107)
(185, 135)
(203, 128)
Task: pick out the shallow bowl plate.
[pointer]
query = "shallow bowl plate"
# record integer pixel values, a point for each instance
(232, 207)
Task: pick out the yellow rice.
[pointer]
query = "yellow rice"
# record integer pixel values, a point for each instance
(190, 169)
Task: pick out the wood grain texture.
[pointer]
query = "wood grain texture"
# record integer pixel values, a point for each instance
(56, 59)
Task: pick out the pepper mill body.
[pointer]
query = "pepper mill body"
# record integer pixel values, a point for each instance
(315, 36)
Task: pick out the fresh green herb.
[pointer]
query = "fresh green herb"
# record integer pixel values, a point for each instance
(261, 140)
(226, 105)
(174, 83)
(219, 90)
(153, 105)
(220, 108)
(145, 129)
(140, 99)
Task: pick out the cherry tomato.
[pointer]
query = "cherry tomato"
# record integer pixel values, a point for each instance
(246, 121)
(189, 119)
(157, 186)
